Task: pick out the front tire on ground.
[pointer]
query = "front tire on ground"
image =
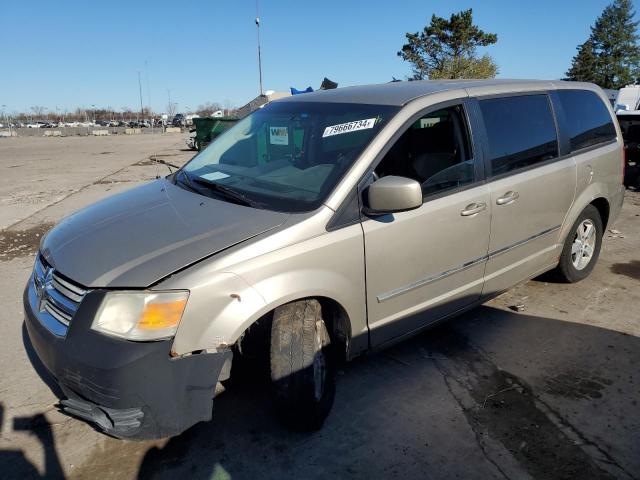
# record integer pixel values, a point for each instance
(582, 247)
(302, 369)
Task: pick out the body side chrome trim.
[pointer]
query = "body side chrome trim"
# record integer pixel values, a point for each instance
(424, 281)
(432, 278)
(502, 250)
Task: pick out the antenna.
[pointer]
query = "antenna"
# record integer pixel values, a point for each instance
(259, 55)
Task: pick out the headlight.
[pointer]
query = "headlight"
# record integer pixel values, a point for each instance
(141, 315)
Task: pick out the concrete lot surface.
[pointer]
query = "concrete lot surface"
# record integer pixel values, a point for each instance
(551, 392)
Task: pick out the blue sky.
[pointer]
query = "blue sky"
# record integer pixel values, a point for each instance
(81, 53)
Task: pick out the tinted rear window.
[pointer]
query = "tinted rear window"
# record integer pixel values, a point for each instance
(588, 119)
(521, 131)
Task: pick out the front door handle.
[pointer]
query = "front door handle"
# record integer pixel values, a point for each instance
(508, 198)
(473, 209)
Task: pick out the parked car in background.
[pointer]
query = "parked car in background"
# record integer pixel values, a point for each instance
(179, 120)
(254, 254)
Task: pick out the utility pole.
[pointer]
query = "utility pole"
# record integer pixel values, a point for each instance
(259, 54)
(146, 68)
(140, 89)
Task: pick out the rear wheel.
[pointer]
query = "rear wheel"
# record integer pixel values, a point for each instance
(582, 246)
(302, 369)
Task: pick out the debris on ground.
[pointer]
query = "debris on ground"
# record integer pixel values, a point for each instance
(21, 243)
(615, 234)
(518, 307)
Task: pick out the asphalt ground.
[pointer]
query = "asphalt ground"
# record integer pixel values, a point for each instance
(548, 392)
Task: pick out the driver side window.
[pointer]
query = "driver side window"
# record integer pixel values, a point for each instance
(435, 150)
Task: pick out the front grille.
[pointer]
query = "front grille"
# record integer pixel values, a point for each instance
(56, 297)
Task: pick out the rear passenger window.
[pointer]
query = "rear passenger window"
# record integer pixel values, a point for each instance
(521, 131)
(588, 119)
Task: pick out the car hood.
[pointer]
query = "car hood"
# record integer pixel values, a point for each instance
(138, 237)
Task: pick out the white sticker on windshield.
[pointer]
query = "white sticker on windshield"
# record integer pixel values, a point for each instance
(349, 127)
(279, 135)
(214, 176)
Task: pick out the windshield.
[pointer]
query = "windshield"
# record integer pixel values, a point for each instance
(287, 156)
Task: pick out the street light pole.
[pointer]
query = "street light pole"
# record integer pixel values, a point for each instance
(140, 90)
(259, 53)
(6, 119)
(146, 68)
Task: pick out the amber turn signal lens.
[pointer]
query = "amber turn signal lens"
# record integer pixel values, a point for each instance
(156, 316)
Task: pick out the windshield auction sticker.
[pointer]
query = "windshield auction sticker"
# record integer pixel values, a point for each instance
(279, 135)
(349, 127)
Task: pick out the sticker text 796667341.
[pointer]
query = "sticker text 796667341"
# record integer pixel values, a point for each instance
(349, 127)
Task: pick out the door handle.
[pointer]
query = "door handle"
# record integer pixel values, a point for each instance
(508, 198)
(473, 209)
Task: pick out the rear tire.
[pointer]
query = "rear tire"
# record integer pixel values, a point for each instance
(302, 370)
(582, 247)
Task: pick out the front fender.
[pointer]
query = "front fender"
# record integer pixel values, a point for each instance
(213, 312)
(216, 316)
(222, 305)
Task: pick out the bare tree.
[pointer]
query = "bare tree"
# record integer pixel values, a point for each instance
(208, 108)
(171, 108)
(38, 111)
(126, 112)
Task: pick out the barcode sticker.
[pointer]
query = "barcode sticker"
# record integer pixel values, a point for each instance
(349, 127)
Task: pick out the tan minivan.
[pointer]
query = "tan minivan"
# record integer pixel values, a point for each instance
(320, 227)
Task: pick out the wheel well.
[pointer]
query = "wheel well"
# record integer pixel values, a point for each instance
(255, 340)
(338, 325)
(602, 205)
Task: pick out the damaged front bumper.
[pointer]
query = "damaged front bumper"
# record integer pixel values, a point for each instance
(127, 389)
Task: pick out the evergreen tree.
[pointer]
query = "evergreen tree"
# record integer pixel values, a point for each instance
(583, 65)
(447, 49)
(611, 56)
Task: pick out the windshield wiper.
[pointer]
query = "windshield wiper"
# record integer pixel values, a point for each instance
(226, 192)
(186, 182)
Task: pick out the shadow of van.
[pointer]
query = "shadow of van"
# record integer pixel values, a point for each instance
(536, 390)
(544, 405)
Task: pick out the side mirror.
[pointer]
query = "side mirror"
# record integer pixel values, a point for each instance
(392, 194)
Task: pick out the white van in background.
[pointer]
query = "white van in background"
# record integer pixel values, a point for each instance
(628, 98)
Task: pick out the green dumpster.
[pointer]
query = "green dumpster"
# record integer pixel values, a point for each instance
(208, 128)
